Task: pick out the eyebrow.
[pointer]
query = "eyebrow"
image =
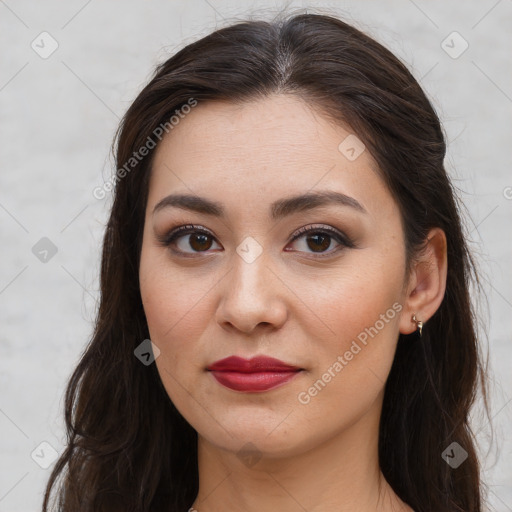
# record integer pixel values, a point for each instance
(279, 209)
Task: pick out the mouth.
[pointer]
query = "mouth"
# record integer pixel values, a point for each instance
(258, 374)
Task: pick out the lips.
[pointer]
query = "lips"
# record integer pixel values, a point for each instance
(252, 375)
(256, 364)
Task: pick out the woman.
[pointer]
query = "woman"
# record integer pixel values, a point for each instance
(285, 322)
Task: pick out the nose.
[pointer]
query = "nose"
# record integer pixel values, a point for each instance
(252, 297)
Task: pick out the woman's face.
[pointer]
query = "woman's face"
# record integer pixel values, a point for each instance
(327, 302)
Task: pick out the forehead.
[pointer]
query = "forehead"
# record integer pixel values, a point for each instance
(252, 153)
(277, 128)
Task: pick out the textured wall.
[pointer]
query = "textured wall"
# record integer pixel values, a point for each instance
(58, 115)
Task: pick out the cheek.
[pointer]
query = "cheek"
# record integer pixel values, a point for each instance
(354, 296)
(361, 309)
(175, 313)
(175, 308)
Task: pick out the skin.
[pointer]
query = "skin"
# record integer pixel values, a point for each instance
(287, 304)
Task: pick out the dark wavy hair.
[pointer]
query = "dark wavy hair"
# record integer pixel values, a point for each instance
(128, 447)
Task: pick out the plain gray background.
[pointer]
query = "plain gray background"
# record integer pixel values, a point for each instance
(58, 116)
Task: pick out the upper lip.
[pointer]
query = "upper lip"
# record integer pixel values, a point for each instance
(256, 364)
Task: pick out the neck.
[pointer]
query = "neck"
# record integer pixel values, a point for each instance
(342, 474)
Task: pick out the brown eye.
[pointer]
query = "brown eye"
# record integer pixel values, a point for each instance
(184, 238)
(199, 241)
(191, 240)
(319, 240)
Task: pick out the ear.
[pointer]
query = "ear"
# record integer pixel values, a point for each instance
(427, 282)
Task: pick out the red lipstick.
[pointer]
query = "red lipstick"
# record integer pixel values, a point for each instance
(260, 373)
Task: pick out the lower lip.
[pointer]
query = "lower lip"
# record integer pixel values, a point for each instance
(253, 382)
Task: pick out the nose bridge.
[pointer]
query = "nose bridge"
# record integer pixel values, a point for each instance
(251, 294)
(251, 266)
(251, 273)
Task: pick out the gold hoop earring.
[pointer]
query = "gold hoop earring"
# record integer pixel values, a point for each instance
(419, 323)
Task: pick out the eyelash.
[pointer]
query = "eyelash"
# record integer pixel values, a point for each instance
(169, 238)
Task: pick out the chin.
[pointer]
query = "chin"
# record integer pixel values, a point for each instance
(259, 440)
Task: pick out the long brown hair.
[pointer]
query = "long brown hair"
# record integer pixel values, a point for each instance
(128, 447)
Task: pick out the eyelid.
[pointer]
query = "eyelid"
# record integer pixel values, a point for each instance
(315, 228)
(175, 233)
(167, 237)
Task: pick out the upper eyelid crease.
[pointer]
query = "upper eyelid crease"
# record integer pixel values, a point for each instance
(341, 238)
(182, 230)
(279, 209)
(188, 229)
